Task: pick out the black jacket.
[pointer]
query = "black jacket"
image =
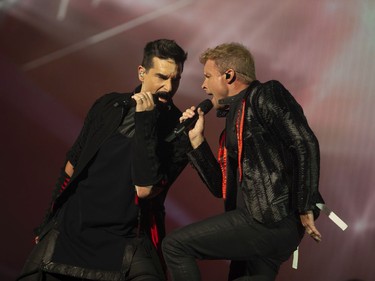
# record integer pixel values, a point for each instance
(162, 160)
(103, 118)
(279, 159)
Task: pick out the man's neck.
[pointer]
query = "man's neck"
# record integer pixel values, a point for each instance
(237, 87)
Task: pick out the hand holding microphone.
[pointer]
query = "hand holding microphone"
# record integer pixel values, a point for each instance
(195, 131)
(145, 101)
(189, 118)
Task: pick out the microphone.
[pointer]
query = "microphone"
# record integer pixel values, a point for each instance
(132, 103)
(205, 106)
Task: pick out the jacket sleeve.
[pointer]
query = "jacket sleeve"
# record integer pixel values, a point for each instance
(155, 161)
(174, 159)
(208, 168)
(145, 161)
(172, 154)
(287, 121)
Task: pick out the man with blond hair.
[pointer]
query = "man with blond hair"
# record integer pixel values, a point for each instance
(267, 173)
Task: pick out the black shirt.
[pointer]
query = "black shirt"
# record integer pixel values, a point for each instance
(231, 144)
(102, 212)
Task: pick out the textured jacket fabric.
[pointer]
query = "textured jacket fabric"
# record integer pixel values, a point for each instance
(279, 159)
(163, 160)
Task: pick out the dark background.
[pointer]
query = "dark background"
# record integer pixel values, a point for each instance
(58, 56)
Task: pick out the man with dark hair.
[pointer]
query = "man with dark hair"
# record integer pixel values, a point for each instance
(267, 173)
(106, 219)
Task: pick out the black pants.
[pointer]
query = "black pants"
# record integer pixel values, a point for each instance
(144, 266)
(256, 250)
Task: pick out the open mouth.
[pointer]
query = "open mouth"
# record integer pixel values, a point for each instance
(162, 100)
(163, 97)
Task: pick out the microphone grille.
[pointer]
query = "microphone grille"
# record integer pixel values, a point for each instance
(205, 105)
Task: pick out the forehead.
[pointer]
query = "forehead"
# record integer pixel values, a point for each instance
(210, 67)
(165, 66)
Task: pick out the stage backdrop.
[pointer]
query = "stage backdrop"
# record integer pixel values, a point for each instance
(57, 57)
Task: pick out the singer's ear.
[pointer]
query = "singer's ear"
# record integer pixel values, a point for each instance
(141, 73)
(230, 75)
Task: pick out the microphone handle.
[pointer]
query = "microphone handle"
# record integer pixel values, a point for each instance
(187, 124)
(205, 106)
(132, 103)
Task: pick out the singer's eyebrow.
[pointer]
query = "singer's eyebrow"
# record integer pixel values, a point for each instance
(166, 77)
(162, 76)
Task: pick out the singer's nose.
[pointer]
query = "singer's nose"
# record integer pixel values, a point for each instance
(167, 87)
(204, 85)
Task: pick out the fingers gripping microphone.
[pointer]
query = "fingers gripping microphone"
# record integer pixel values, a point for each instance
(132, 103)
(205, 106)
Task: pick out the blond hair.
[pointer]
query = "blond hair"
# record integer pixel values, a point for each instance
(232, 56)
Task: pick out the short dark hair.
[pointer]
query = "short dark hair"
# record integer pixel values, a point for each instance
(163, 49)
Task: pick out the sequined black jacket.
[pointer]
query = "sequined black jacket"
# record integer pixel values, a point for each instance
(279, 158)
